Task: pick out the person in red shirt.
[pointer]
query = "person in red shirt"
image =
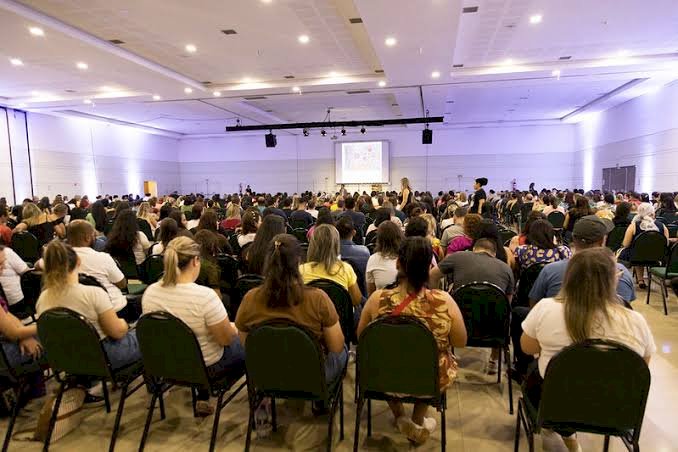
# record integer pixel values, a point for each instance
(5, 231)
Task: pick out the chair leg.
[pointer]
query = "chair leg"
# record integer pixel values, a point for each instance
(369, 417)
(606, 444)
(516, 442)
(662, 286)
(649, 286)
(274, 417)
(509, 381)
(107, 400)
(149, 417)
(443, 428)
(250, 421)
(330, 418)
(53, 417)
(162, 406)
(194, 401)
(12, 420)
(217, 415)
(341, 413)
(356, 437)
(118, 416)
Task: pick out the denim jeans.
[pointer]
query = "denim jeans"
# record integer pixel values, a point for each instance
(234, 356)
(334, 365)
(16, 359)
(124, 351)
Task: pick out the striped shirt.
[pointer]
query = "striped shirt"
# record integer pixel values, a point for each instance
(197, 306)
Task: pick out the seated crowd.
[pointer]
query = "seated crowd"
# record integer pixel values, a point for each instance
(391, 254)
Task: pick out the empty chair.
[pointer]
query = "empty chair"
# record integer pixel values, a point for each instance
(557, 219)
(151, 269)
(487, 314)
(173, 357)
(73, 346)
(527, 279)
(243, 285)
(647, 250)
(616, 237)
(610, 401)
(666, 273)
(26, 245)
(286, 361)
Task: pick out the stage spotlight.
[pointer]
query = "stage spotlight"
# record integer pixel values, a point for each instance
(427, 136)
(362, 130)
(343, 132)
(322, 132)
(305, 132)
(271, 140)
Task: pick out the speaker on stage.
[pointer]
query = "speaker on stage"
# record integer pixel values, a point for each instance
(427, 136)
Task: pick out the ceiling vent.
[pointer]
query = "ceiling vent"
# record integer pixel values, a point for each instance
(470, 9)
(70, 90)
(359, 91)
(458, 65)
(206, 83)
(289, 76)
(565, 57)
(256, 98)
(378, 71)
(449, 101)
(355, 20)
(117, 42)
(230, 31)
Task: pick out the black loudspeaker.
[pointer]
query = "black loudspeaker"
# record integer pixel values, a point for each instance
(427, 136)
(271, 140)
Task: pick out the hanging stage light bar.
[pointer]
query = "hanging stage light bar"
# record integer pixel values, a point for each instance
(337, 124)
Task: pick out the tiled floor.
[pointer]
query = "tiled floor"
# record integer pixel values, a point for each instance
(477, 414)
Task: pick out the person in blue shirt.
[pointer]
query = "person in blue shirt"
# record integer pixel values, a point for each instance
(359, 254)
(589, 232)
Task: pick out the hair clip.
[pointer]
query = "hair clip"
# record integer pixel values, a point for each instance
(277, 244)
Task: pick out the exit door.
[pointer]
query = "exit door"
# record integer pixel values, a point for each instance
(619, 179)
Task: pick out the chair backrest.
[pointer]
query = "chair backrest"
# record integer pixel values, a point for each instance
(72, 344)
(616, 237)
(233, 241)
(304, 252)
(371, 238)
(612, 396)
(506, 235)
(170, 350)
(372, 247)
(557, 219)
(87, 280)
(243, 284)
(528, 276)
(398, 354)
(128, 265)
(301, 234)
(526, 208)
(108, 226)
(31, 286)
(486, 312)
(672, 261)
(6, 369)
(26, 245)
(284, 359)
(145, 227)
(673, 230)
(152, 269)
(648, 248)
(297, 223)
(229, 270)
(343, 304)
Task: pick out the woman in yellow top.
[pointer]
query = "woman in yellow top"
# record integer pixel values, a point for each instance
(323, 262)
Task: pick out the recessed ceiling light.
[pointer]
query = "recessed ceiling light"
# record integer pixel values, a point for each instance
(382, 83)
(469, 9)
(507, 62)
(216, 93)
(435, 74)
(36, 31)
(623, 53)
(188, 90)
(555, 73)
(16, 62)
(156, 97)
(190, 48)
(390, 41)
(82, 66)
(266, 1)
(22, 105)
(536, 19)
(303, 39)
(296, 89)
(87, 101)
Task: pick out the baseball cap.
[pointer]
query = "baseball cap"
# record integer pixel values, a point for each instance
(591, 229)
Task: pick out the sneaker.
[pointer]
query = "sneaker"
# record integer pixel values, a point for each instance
(492, 367)
(430, 424)
(92, 401)
(203, 408)
(415, 433)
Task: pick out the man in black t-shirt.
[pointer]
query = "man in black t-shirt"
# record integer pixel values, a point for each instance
(300, 217)
(479, 197)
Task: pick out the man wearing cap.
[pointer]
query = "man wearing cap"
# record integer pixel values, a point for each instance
(589, 232)
(479, 196)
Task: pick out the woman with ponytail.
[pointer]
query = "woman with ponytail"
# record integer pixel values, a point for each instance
(62, 290)
(284, 296)
(197, 306)
(643, 222)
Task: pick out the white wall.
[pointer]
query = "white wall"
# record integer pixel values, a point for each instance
(79, 156)
(641, 132)
(540, 154)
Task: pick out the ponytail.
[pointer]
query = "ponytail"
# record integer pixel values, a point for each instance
(176, 257)
(283, 285)
(60, 260)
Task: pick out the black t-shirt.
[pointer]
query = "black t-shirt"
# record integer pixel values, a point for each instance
(301, 216)
(477, 196)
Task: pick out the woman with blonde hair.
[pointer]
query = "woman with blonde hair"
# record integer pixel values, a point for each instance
(37, 223)
(145, 213)
(62, 289)
(431, 236)
(197, 306)
(644, 221)
(232, 220)
(406, 195)
(587, 307)
(323, 262)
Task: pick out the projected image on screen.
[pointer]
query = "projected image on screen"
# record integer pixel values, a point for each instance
(362, 162)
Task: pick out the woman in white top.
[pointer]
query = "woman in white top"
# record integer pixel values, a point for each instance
(11, 269)
(145, 213)
(197, 306)
(250, 223)
(551, 204)
(587, 307)
(61, 289)
(126, 240)
(168, 231)
(381, 267)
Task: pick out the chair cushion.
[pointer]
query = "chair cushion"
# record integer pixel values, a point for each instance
(136, 288)
(661, 273)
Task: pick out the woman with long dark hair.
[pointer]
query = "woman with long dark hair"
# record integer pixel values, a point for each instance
(126, 239)
(539, 247)
(168, 231)
(436, 309)
(255, 254)
(284, 296)
(587, 307)
(97, 216)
